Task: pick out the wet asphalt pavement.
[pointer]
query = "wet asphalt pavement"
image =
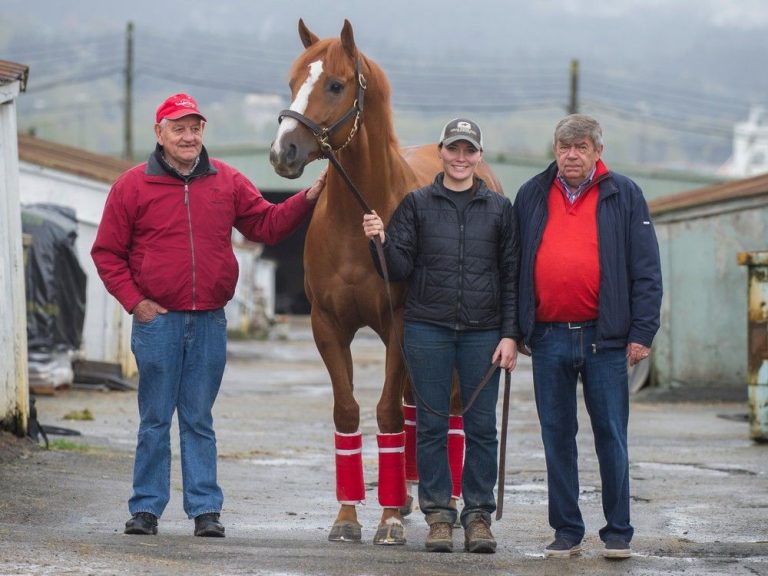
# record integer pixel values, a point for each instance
(699, 485)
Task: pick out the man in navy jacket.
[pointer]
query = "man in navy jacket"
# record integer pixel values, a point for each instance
(589, 304)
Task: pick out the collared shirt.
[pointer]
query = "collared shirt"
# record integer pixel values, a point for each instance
(573, 193)
(175, 170)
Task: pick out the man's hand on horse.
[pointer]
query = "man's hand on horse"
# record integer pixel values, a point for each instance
(373, 226)
(313, 192)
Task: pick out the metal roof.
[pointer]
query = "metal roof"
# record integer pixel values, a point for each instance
(70, 159)
(12, 72)
(735, 190)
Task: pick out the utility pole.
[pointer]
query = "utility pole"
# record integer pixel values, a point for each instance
(128, 119)
(573, 106)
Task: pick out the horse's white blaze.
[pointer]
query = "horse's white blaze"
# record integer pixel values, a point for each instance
(300, 103)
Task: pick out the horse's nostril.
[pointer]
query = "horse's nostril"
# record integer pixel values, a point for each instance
(290, 154)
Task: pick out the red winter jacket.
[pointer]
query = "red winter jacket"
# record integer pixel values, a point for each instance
(169, 238)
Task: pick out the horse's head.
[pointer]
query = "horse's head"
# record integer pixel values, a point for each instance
(326, 101)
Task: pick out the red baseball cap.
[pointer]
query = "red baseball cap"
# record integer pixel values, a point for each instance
(177, 106)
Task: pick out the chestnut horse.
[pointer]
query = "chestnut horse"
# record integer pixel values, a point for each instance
(341, 102)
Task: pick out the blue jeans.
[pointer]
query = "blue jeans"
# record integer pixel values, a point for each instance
(560, 354)
(433, 352)
(181, 357)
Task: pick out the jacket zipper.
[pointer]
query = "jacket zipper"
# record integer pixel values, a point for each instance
(459, 293)
(191, 244)
(461, 271)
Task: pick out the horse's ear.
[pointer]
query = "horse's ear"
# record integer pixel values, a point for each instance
(348, 39)
(307, 36)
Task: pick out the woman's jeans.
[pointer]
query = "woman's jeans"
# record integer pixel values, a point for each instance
(560, 354)
(181, 357)
(433, 352)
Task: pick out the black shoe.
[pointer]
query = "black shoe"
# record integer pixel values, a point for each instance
(209, 525)
(142, 523)
(617, 549)
(562, 548)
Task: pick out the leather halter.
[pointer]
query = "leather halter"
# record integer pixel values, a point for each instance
(323, 135)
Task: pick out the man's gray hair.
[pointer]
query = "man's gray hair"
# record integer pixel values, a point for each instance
(577, 126)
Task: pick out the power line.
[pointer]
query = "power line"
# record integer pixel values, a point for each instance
(650, 93)
(41, 50)
(72, 107)
(76, 79)
(512, 107)
(203, 50)
(675, 124)
(206, 82)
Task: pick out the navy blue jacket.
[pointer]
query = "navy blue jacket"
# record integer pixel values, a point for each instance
(630, 269)
(461, 267)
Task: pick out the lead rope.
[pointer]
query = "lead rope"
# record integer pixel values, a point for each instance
(503, 446)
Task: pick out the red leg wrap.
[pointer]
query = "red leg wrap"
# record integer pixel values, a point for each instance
(409, 427)
(350, 488)
(456, 452)
(392, 490)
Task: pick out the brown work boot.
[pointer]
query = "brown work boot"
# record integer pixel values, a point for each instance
(478, 537)
(440, 537)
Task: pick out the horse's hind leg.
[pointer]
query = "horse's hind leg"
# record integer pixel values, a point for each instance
(333, 345)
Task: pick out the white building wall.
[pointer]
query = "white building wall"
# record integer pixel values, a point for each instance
(14, 384)
(107, 327)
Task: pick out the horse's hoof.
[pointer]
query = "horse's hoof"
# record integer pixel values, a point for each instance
(346, 532)
(391, 533)
(407, 507)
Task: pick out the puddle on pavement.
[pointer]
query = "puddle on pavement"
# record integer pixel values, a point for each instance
(697, 469)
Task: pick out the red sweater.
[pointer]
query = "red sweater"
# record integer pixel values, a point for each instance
(567, 272)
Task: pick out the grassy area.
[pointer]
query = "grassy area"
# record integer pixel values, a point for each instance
(65, 445)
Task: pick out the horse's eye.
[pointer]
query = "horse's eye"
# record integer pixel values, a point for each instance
(336, 87)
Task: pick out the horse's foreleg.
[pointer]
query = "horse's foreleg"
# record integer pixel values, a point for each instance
(391, 439)
(333, 345)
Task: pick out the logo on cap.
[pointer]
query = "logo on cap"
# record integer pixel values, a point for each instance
(185, 103)
(464, 127)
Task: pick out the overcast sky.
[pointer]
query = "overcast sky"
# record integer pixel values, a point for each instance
(634, 34)
(675, 62)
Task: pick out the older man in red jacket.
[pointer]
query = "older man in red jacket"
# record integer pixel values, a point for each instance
(164, 250)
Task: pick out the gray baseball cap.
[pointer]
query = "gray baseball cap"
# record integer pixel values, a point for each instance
(462, 129)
